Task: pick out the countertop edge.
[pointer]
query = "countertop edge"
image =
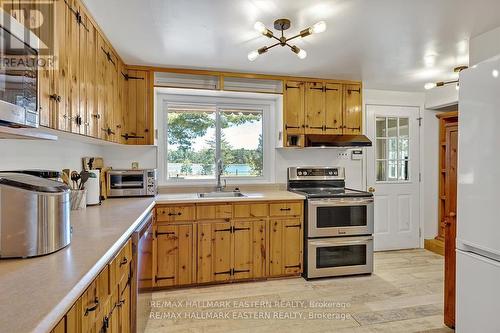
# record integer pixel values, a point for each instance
(52, 319)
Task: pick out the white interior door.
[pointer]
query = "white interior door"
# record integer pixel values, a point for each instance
(393, 174)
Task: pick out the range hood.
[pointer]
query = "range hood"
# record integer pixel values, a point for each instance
(321, 140)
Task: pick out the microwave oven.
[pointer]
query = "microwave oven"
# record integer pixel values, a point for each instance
(18, 74)
(131, 183)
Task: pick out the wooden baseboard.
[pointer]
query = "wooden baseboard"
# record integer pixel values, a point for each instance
(434, 245)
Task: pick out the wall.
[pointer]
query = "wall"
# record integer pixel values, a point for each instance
(67, 153)
(441, 97)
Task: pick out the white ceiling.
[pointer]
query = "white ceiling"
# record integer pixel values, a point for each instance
(385, 43)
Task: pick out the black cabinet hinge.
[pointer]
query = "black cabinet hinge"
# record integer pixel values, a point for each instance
(131, 136)
(128, 77)
(108, 56)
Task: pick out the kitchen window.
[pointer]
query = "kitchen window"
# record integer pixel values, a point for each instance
(199, 134)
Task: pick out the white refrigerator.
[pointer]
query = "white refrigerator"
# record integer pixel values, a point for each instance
(478, 208)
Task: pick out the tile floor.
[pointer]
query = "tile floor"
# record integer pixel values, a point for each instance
(405, 294)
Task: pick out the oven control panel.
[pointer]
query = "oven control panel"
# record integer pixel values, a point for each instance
(315, 173)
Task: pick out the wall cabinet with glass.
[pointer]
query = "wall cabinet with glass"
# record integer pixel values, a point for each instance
(324, 108)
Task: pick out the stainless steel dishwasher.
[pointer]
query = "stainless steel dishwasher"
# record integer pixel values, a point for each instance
(142, 281)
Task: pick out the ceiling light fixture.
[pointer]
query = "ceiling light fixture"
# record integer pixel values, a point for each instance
(282, 25)
(431, 85)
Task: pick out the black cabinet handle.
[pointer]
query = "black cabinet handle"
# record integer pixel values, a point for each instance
(285, 209)
(123, 262)
(93, 307)
(55, 97)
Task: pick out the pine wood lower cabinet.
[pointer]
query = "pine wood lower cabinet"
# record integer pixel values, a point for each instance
(226, 242)
(174, 250)
(105, 305)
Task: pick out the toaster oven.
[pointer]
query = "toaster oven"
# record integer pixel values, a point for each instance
(131, 183)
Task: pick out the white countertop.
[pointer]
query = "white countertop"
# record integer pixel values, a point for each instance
(36, 293)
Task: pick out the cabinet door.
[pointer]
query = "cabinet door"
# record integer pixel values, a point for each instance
(60, 328)
(333, 108)
(293, 117)
(292, 246)
(124, 310)
(242, 249)
(73, 67)
(139, 120)
(214, 251)
(315, 108)
(88, 76)
(74, 318)
(102, 87)
(174, 244)
(352, 109)
(58, 99)
(285, 247)
(120, 109)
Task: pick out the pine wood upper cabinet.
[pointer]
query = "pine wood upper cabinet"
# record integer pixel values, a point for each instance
(285, 247)
(315, 108)
(139, 119)
(293, 118)
(175, 252)
(333, 108)
(352, 109)
(107, 92)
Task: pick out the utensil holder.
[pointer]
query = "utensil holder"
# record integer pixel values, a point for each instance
(78, 199)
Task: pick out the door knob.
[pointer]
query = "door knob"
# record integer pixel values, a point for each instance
(371, 189)
(452, 214)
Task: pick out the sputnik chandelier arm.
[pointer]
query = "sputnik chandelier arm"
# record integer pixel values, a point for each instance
(282, 25)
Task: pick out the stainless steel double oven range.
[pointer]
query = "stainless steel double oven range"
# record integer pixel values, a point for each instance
(338, 237)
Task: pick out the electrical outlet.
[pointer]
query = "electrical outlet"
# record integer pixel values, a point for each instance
(343, 155)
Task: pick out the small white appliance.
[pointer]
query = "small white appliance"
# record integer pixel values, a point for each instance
(478, 223)
(93, 186)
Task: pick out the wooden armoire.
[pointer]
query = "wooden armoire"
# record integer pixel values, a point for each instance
(448, 163)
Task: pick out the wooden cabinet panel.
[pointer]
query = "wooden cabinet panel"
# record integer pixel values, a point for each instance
(242, 249)
(285, 247)
(315, 108)
(259, 248)
(333, 108)
(175, 213)
(251, 210)
(221, 251)
(58, 95)
(285, 209)
(204, 248)
(174, 244)
(214, 212)
(60, 328)
(292, 246)
(352, 109)
(74, 319)
(73, 66)
(139, 119)
(124, 308)
(293, 118)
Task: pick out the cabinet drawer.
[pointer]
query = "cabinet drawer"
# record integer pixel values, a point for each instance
(285, 209)
(251, 210)
(214, 212)
(175, 213)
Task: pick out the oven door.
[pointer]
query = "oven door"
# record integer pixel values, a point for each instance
(340, 217)
(339, 256)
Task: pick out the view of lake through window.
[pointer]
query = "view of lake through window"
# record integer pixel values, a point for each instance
(199, 135)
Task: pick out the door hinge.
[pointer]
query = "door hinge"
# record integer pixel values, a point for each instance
(420, 121)
(420, 233)
(419, 177)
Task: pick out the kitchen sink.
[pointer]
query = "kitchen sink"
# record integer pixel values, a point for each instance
(221, 195)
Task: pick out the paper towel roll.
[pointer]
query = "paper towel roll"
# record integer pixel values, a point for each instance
(93, 188)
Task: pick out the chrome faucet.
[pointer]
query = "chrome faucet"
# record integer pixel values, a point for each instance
(219, 169)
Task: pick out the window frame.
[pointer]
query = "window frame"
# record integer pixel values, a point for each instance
(266, 105)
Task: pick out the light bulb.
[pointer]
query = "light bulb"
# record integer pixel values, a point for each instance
(260, 27)
(319, 27)
(430, 85)
(253, 55)
(495, 73)
(302, 54)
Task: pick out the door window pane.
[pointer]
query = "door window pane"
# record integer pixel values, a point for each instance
(392, 127)
(241, 142)
(340, 256)
(392, 149)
